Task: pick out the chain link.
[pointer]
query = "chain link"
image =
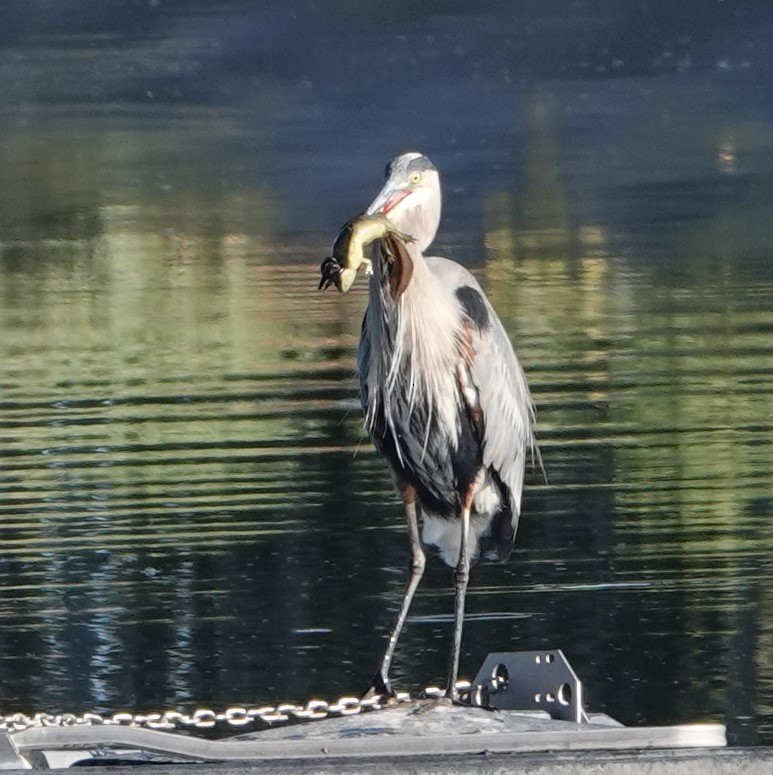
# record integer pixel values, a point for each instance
(236, 716)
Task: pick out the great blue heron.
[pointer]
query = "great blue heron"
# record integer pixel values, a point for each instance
(444, 396)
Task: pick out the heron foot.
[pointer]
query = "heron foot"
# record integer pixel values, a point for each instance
(380, 686)
(453, 698)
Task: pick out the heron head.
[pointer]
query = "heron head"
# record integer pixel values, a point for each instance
(410, 198)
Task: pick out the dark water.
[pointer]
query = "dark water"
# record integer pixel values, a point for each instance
(190, 512)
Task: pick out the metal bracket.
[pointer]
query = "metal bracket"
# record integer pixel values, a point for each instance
(530, 680)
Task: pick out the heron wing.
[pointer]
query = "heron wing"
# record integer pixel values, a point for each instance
(506, 406)
(501, 393)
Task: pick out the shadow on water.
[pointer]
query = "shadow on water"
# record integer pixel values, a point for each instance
(190, 511)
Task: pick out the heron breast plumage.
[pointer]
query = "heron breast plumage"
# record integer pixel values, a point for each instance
(429, 422)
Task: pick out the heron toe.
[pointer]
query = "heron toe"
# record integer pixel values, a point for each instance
(380, 686)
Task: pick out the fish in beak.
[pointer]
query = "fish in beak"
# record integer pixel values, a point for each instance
(348, 253)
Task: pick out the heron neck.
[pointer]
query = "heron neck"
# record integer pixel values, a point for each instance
(420, 222)
(415, 343)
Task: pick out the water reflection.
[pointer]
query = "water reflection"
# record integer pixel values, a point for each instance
(658, 430)
(190, 511)
(188, 498)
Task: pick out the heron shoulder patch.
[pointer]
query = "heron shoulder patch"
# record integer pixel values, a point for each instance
(474, 306)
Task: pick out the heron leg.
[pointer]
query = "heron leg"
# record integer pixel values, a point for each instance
(461, 577)
(381, 683)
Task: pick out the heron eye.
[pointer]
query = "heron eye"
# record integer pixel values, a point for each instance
(416, 177)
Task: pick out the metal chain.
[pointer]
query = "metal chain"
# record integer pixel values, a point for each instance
(206, 718)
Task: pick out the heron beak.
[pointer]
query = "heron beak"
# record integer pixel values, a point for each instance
(387, 199)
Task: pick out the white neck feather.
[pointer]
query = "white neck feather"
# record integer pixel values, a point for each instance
(414, 352)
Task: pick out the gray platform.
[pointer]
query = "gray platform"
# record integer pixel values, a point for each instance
(423, 732)
(679, 762)
(556, 735)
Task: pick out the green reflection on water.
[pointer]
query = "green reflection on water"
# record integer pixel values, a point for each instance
(662, 380)
(184, 464)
